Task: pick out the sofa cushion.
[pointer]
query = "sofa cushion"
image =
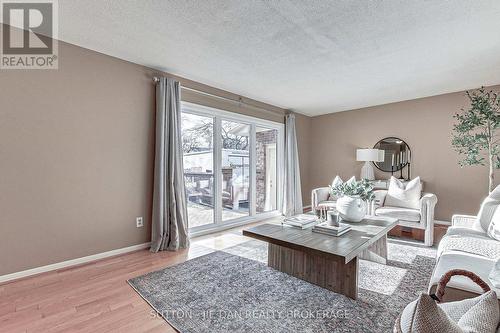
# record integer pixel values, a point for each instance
(465, 231)
(470, 243)
(461, 260)
(401, 195)
(399, 213)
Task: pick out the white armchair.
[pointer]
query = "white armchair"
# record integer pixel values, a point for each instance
(422, 218)
(320, 199)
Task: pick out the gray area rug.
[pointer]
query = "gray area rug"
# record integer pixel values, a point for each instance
(234, 291)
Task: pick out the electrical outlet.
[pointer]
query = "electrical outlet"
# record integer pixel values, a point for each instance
(139, 222)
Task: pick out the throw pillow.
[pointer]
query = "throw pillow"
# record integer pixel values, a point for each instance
(351, 180)
(494, 227)
(336, 182)
(495, 194)
(487, 210)
(485, 215)
(403, 196)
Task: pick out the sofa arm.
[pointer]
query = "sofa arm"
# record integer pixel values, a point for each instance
(428, 203)
(319, 195)
(463, 220)
(428, 200)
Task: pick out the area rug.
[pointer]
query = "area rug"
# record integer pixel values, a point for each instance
(234, 291)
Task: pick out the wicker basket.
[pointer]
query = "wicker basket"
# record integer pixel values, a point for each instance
(438, 296)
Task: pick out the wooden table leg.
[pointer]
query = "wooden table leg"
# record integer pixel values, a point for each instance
(377, 252)
(329, 272)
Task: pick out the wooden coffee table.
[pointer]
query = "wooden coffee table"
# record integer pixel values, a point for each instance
(327, 261)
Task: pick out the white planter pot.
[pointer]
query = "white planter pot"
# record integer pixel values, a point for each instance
(351, 209)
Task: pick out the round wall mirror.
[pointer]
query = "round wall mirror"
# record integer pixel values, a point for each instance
(397, 154)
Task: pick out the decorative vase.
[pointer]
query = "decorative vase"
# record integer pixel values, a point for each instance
(351, 209)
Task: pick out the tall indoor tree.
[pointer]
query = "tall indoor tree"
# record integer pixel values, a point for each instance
(475, 134)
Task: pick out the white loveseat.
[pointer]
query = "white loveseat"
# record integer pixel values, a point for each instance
(421, 216)
(467, 246)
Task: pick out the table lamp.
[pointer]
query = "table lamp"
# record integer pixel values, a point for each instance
(368, 155)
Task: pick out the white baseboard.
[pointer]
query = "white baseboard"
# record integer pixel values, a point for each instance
(72, 262)
(442, 222)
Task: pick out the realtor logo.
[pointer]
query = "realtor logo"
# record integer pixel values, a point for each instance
(29, 34)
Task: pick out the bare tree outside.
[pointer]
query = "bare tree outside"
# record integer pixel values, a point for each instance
(198, 136)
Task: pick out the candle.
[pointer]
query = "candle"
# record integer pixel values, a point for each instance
(401, 158)
(392, 164)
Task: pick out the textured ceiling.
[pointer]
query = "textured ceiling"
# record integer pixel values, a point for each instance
(314, 57)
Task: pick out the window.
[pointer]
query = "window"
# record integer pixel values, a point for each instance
(235, 167)
(232, 167)
(266, 169)
(197, 147)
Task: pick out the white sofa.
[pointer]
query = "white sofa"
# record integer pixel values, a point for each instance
(422, 218)
(466, 245)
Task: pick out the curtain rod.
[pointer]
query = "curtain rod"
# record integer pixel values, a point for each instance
(239, 101)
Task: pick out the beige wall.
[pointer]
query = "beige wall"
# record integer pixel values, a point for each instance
(425, 124)
(76, 147)
(76, 156)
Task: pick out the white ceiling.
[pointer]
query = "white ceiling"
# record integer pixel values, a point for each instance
(314, 57)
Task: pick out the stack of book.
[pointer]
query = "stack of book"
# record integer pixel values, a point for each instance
(301, 221)
(327, 229)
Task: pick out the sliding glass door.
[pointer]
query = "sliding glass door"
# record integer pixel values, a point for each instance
(197, 147)
(235, 169)
(232, 167)
(266, 169)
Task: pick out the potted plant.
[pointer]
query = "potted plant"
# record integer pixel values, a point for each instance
(476, 135)
(353, 198)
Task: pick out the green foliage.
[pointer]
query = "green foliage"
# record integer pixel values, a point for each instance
(474, 134)
(362, 189)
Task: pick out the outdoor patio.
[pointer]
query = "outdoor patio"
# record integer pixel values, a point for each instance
(202, 214)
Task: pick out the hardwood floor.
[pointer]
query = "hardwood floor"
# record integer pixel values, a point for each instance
(95, 297)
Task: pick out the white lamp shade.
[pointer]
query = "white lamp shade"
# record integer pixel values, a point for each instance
(381, 155)
(369, 155)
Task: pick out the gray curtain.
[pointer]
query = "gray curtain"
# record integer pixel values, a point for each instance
(292, 203)
(169, 222)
